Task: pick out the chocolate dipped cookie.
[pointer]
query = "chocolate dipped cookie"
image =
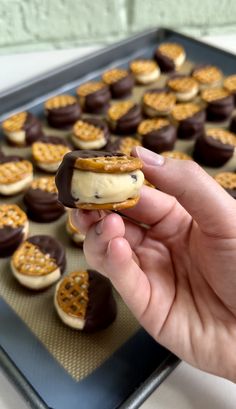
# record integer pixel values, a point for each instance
(158, 102)
(124, 117)
(190, 119)
(41, 200)
(84, 301)
(208, 76)
(62, 111)
(14, 228)
(123, 145)
(170, 56)
(90, 133)
(16, 174)
(184, 87)
(38, 262)
(145, 71)
(99, 180)
(49, 152)
(22, 129)
(220, 104)
(228, 181)
(230, 86)
(158, 134)
(94, 97)
(119, 81)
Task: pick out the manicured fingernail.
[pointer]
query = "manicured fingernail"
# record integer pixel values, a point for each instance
(149, 157)
(99, 227)
(74, 218)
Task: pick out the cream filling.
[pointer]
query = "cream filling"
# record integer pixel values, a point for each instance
(76, 236)
(36, 282)
(92, 187)
(149, 77)
(187, 96)
(180, 60)
(16, 187)
(151, 112)
(96, 144)
(215, 84)
(49, 167)
(73, 322)
(17, 137)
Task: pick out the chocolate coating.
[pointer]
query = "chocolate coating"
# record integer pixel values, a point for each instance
(232, 126)
(43, 206)
(232, 192)
(211, 152)
(33, 129)
(193, 127)
(49, 245)
(221, 109)
(10, 158)
(160, 140)
(10, 239)
(165, 63)
(128, 123)
(63, 117)
(65, 173)
(97, 102)
(101, 309)
(123, 87)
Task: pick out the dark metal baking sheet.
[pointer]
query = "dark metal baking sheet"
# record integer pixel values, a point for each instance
(140, 365)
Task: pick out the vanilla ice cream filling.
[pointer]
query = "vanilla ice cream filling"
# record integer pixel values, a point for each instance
(148, 77)
(73, 322)
(49, 167)
(96, 144)
(92, 187)
(17, 137)
(187, 96)
(180, 60)
(9, 189)
(36, 282)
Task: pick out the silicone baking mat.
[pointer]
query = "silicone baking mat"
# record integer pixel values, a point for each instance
(107, 366)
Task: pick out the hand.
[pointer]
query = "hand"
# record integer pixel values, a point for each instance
(178, 276)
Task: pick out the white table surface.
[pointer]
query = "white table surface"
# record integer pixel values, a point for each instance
(186, 387)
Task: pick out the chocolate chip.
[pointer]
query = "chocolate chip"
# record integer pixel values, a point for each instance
(134, 177)
(97, 196)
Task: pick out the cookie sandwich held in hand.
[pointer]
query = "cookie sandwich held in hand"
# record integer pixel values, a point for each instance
(99, 180)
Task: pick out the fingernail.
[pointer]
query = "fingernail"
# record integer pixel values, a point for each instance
(74, 218)
(99, 227)
(149, 157)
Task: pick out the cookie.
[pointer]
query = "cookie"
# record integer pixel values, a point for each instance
(170, 56)
(99, 180)
(228, 181)
(84, 301)
(220, 104)
(124, 117)
(119, 81)
(230, 86)
(38, 262)
(123, 145)
(62, 111)
(14, 228)
(190, 119)
(208, 76)
(76, 236)
(22, 129)
(94, 97)
(157, 134)
(185, 87)
(49, 152)
(176, 155)
(16, 174)
(215, 147)
(158, 102)
(145, 71)
(90, 133)
(41, 200)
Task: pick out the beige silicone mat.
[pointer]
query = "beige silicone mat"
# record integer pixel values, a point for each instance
(78, 353)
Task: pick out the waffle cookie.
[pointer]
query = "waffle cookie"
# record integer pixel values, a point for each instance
(228, 181)
(119, 81)
(185, 87)
(158, 102)
(215, 147)
(145, 71)
(208, 76)
(124, 117)
(76, 236)
(41, 200)
(190, 119)
(62, 111)
(94, 97)
(84, 301)
(176, 155)
(14, 228)
(123, 145)
(230, 86)
(220, 104)
(49, 151)
(99, 180)
(90, 133)
(157, 134)
(38, 262)
(22, 129)
(170, 56)
(16, 174)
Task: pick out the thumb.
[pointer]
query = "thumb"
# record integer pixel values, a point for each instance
(203, 198)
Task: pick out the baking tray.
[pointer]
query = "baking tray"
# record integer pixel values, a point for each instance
(139, 365)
